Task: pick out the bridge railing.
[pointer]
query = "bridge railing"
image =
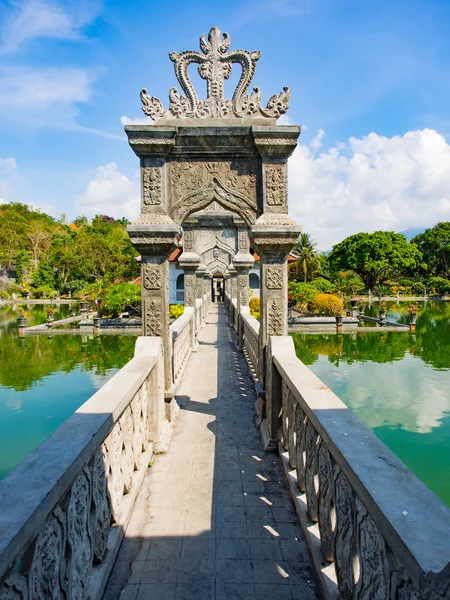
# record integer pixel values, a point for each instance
(183, 330)
(63, 510)
(251, 340)
(374, 529)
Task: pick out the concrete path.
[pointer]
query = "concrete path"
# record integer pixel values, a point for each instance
(214, 519)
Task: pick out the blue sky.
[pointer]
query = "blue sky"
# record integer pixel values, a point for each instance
(370, 83)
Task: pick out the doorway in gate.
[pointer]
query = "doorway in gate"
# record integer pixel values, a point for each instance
(217, 287)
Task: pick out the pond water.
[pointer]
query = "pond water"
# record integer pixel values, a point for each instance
(45, 378)
(397, 383)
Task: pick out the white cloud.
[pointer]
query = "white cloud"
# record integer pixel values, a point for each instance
(110, 193)
(369, 184)
(8, 163)
(136, 121)
(30, 19)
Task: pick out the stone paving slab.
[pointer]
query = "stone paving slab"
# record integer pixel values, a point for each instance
(214, 519)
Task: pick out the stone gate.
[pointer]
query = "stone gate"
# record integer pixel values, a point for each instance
(218, 156)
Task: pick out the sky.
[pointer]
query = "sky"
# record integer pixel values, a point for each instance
(370, 86)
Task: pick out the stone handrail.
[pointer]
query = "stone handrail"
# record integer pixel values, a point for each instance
(251, 339)
(375, 530)
(63, 510)
(182, 334)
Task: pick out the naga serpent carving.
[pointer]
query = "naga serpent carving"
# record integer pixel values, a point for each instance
(215, 65)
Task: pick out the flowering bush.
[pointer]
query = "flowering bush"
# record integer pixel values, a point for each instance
(255, 307)
(326, 304)
(175, 311)
(301, 293)
(413, 309)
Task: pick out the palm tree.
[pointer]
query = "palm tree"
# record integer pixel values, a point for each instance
(306, 251)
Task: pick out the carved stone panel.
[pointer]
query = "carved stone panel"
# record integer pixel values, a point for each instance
(15, 587)
(243, 241)
(152, 277)
(188, 240)
(153, 317)
(275, 317)
(274, 277)
(45, 574)
(79, 537)
(195, 185)
(102, 521)
(276, 187)
(151, 186)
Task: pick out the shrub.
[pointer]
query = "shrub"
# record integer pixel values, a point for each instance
(439, 285)
(255, 307)
(323, 285)
(326, 304)
(176, 310)
(45, 291)
(4, 295)
(302, 293)
(122, 296)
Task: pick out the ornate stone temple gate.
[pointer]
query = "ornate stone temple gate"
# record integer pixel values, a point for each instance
(227, 154)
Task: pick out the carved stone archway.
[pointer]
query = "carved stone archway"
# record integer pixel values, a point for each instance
(228, 152)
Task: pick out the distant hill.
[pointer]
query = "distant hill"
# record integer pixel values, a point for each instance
(412, 232)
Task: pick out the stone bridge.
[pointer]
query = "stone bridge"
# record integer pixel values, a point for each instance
(215, 464)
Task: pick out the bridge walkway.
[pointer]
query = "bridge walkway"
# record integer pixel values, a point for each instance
(214, 519)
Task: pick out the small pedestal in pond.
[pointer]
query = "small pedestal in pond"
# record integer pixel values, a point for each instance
(84, 307)
(50, 319)
(354, 303)
(412, 323)
(97, 325)
(339, 323)
(382, 318)
(21, 324)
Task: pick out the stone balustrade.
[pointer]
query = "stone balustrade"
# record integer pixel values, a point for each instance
(182, 334)
(250, 342)
(374, 529)
(64, 509)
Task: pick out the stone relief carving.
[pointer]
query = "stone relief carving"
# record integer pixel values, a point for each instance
(153, 317)
(127, 466)
(45, 577)
(276, 141)
(215, 66)
(15, 587)
(275, 185)
(152, 277)
(101, 501)
(274, 277)
(151, 185)
(243, 281)
(243, 297)
(344, 542)
(275, 317)
(243, 240)
(326, 501)
(79, 537)
(188, 240)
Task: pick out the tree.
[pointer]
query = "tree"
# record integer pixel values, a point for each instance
(376, 257)
(434, 243)
(308, 260)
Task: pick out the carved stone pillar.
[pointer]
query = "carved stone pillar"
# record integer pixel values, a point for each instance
(199, 273)
(189, 262)
(154, 235)
(243, 261)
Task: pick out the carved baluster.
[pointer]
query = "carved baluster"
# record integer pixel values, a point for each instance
(47, 572)
(126, 425)
(284, 416)
(400, 587)
(300, 429)
(137, 432)
(344, 538)
(115, 480)
(101, 501)
(291, 410)
(143, 393)
(311, 439)
(373, 581)
(79, 537)
(326, 507)
(15, 587)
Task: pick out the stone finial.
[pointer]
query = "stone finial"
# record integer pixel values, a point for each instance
(215, 65)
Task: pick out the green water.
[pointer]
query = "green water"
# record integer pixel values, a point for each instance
(44, 379)
(397, 383)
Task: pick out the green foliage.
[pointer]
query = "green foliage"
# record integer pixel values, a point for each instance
(326, 304)
(44, 276)
(22, 263)
(301, 293)
(44, 291)
(122, 296)
(348, 283)
(308, 261)
(439, 286)
(376, 257)
(255, 307)
(176, 310)
(434, 244)
(323, 285)
(382, 290)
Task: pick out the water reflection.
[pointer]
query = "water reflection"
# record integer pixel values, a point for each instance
(45, 378)
(397, 383)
